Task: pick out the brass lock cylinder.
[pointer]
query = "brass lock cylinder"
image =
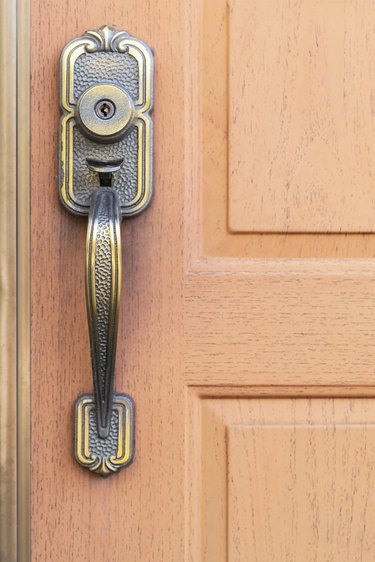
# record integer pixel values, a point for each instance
(105, 113)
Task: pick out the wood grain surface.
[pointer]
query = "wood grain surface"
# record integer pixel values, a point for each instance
(300, 117)
(207, 316)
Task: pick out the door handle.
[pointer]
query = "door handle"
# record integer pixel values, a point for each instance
(105, 172)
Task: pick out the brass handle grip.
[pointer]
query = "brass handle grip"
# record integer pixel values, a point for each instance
(103, 288)
(104, 421)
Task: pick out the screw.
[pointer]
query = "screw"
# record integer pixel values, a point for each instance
(105, 109)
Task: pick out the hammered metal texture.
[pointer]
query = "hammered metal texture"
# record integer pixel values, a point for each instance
(103, 283)
(103, 278)
(86, 181)
(103, 447)
(122, 70)
(116, 68)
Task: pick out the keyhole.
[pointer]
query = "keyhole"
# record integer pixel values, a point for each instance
(105, 109)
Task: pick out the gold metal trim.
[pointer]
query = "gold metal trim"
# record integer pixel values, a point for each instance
(23, 283)
(15, 283)
(8, 308)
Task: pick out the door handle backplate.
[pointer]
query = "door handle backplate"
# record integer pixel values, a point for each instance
(105, 171)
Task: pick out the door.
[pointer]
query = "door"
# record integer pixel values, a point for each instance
(247, 320)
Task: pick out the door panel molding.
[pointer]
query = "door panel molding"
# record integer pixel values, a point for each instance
(276, 427)
(14, 282)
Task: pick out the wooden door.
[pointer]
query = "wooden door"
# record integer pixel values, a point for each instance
(247, 328)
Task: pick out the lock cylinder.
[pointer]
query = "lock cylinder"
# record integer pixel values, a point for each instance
(105, 113)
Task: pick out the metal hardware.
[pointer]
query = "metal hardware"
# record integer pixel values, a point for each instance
(104, 113)
(106, 66)
(105, 171)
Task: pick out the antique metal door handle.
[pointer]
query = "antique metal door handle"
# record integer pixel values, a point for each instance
(105, 172)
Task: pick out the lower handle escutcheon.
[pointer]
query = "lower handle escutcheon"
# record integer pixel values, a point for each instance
(104, 456)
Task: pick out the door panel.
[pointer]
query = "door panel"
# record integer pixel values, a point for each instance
(282, 478)
(300, 116)
(247, 321)
(263, 89)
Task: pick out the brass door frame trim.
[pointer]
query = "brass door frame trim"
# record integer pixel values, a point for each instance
(14, 281)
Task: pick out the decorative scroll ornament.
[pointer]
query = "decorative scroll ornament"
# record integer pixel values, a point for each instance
(107, 39)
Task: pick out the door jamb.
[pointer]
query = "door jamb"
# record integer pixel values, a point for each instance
(14, 281)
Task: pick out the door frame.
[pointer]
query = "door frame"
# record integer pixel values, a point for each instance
(15, 281)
